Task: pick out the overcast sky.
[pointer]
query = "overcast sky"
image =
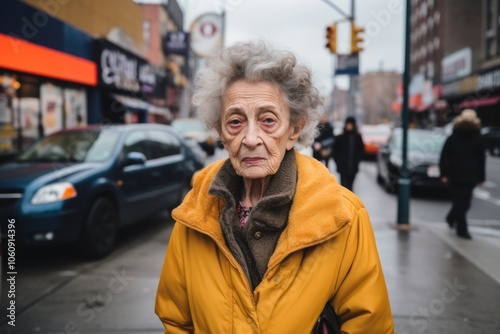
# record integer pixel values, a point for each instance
(300, 26)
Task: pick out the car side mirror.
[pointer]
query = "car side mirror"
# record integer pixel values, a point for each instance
(134, 158)
(384, 149)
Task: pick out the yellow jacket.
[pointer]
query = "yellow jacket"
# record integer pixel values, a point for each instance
(326, 252)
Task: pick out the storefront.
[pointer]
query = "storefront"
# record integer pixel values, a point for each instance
(479, 91)
(132, 90)
(47, 77)
(41, 91)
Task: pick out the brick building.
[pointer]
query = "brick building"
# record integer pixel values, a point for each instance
(455, 60)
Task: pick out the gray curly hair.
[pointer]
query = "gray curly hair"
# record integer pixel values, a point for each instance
(257, 61)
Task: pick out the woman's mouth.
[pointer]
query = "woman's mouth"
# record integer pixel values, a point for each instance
(252, 160)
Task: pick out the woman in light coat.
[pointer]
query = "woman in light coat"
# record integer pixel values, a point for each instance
(267, 238)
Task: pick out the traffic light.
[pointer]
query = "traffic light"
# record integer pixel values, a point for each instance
(355, 38)
(331, 38)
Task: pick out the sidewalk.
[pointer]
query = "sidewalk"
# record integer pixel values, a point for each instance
(483, 251)
(438, 283)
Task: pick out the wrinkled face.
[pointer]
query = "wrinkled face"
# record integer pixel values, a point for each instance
(255, 128)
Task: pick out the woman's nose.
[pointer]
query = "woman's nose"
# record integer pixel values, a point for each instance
(252, 137)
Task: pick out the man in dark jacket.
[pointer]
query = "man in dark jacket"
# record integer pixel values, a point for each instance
(462, 165)
(348, 150)
(323, 143)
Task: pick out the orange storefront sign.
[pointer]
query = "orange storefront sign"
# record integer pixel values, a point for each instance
(23, 56)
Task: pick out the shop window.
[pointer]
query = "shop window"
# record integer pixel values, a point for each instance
(52, 108)
(75, 108)
(28, 119)
(9, 139)
(146, 32)
(490, 29)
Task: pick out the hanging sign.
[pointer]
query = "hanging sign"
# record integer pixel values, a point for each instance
(206, 34)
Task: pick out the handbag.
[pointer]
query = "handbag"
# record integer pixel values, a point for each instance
(326, 153)
(328, 322)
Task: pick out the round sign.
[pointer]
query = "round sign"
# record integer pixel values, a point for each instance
(206, 34)
(208, 29)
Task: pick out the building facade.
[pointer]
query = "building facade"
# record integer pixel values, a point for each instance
(477, 86)
(455, 60)
(378, 90)
(48, 76)
(338, 104)
(72, 63)
(428, 21)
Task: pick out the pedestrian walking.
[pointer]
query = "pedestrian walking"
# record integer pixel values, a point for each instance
(462, 166)
(348, 151)
(323, 143)
(267, 241)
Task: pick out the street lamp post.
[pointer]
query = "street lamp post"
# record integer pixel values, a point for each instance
(404, 181)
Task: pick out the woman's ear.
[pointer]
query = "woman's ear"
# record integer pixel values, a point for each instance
(295, 133)
(219, 134)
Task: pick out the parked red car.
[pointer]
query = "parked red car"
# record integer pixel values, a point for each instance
(374, 136)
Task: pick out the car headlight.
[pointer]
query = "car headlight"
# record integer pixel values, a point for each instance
(53, 193)
(396, 160)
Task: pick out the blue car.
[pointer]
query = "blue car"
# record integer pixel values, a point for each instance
(84, 184)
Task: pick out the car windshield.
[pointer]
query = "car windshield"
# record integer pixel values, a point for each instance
(184, 126)
(72, 146)
(489, 130)
(421, 141)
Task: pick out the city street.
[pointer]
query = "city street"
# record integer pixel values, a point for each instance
(109, 108)
(437, 283)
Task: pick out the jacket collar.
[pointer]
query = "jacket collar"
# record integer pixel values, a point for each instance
(228, 185)
(317, 213)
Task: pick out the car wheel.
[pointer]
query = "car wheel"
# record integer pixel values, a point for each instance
(100, 229)
(380, 179)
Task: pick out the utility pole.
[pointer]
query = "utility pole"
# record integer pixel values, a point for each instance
(355, 50)
(352, 80)
(404, 182)
(223, 19)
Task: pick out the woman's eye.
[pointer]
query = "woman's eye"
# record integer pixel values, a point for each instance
(268, 120)
(234, 122)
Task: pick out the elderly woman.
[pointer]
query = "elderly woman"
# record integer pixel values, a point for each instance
(267, 238)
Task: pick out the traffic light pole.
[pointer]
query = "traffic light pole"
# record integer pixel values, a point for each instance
(352, 80)
(352, 90)
(341, 12)
(404, 182)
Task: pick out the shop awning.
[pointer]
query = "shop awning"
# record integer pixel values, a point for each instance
(161, 111)
(137, 104)
(475, 103)
(23, 56)
(131, 102)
